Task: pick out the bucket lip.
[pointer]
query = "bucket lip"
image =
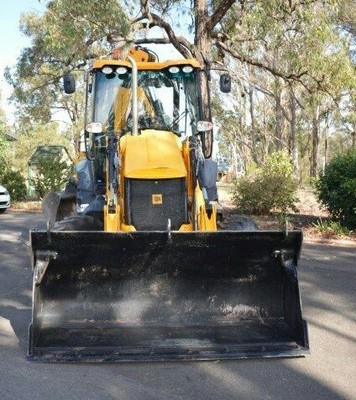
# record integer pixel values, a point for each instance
(297, 233)
(136, 354)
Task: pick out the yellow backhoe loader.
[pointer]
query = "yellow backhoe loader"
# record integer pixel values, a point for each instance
(131, 266)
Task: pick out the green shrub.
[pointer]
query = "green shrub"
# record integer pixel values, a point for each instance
(52, 175)
(336, 189)
(14, 182)
(272, 186)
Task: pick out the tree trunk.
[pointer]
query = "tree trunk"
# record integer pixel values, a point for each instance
(325, 150)
(278, 106)
(279, 131)
(293, 134)
(253, 124)
(315, 143)
(202, 44)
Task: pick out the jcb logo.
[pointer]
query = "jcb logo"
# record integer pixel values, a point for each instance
(157, 199)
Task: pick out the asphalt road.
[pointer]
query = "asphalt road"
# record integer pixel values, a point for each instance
(327, 277)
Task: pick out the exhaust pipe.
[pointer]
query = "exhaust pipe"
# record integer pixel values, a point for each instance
(134, 97)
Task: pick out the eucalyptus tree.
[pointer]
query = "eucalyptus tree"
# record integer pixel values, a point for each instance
(294, 50)
(4, 146)
(280, 52)
(64, 38)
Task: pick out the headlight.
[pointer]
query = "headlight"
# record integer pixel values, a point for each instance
(187, 69)
(107, 70)
(6, 192)
(121, 70)
(173, 70)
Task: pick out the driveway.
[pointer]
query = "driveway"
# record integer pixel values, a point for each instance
(327, 275)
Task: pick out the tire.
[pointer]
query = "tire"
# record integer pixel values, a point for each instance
(78, 223)
(2, 210)
(242, 223)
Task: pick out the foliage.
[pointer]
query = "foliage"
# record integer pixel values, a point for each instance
(4, 146)
(288, 49)
(331, 228)
(272, 186)
(292, 64)
(4, 150)
(336, 189)
(14, 183)
(9, 177)
(34, 136)
(64, 38)
(52, 175)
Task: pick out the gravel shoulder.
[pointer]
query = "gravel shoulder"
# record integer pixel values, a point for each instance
(309, 213)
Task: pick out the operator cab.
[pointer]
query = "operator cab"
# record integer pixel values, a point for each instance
(167, 97)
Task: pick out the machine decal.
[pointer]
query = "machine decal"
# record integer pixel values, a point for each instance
(157, 199)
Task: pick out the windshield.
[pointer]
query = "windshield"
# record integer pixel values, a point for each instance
(166, 101)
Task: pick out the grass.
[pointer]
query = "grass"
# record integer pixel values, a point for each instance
(331, 228)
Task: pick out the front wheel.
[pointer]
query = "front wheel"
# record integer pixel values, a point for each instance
(78, 223)
(241, 223)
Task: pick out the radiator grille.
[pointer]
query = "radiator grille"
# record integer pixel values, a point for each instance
(150, 203)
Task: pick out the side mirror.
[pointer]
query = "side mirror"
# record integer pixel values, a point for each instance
(69, 83)
(90, 131)
(205, 128)
(225, 83)
(94, 127)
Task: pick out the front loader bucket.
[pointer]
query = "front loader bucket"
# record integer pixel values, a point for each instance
(141, 296)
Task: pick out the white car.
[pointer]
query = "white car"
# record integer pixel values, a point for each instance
(4, 199)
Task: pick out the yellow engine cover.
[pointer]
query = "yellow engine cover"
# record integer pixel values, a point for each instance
(152, 155)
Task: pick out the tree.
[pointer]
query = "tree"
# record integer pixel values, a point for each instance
(336, 189)
(52, 174)
(4, 147)
(34, 136)
(290, 59)
(64, 38)
(14, 182)
(271, 186)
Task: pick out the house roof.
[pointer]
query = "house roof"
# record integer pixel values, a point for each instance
(11, 137)
(46, 152)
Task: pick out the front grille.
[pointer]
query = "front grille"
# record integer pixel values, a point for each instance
(150, 203)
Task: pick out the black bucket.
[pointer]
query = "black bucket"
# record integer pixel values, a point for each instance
(143, 296)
